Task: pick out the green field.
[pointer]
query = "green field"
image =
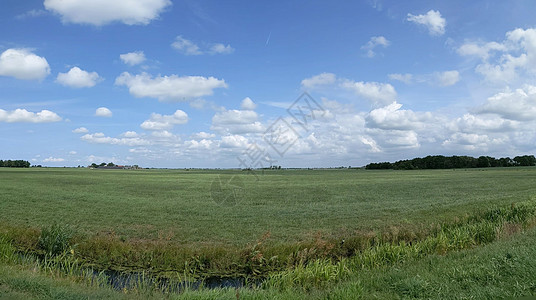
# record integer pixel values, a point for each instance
(290, 204)
(278, 225)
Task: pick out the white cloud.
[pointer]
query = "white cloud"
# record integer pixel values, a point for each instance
(482, 123)
(133, 58)
(102, 12)
(234, 141)
(389, 140)
(447, 78)
(103, 112)
(72, 152)
(100, 138)
(405, 78)
(188, 47)
(221, 49)
(130, 134)
(165, 122)
(78, 78)
(319, 80)
(170, 88)
(517, 105)
(203, 135)
(373, 43)
(473, 141)
(482, 51)
(81, 130)
(370, 142)
(380, 94)
(431, 20)
(24, 116)
(506, 61)
(200, 145)
(236, 122)
(391, 117)
(53, 159)
(248, 104)
(31, 14)
(23, 64)
(185, 46)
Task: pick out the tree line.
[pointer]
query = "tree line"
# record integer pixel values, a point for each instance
(14, 164)
(454, 162)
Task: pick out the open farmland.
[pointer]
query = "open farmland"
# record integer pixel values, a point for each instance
(303, 233)
(290, 204)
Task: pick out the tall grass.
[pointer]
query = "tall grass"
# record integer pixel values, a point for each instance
(481, 228)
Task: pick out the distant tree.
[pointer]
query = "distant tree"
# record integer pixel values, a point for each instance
(448, 162)
(102, 164)
(111, 164)
(15, 163)
(483, 162)
(525, 160)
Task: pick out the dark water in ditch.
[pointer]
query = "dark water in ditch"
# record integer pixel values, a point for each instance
(120, 281)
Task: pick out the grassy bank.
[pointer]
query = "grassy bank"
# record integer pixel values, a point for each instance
(434, 268)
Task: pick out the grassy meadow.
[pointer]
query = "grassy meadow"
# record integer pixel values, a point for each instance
(306, 233)
(292, 205)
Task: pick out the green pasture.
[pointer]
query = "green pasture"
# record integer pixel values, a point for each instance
(292, 205)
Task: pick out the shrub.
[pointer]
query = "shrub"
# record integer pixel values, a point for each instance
(56, 239)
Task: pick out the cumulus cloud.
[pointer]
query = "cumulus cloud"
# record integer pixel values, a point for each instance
(23, 64)
(221, 49)
(234, 141)
(405, 78)
(103, 112)
(133, 58)
(102, 12)
(24, 116)
(80, 130)
(506, 61)
(188, 47)
(374, 42)
(78, 78)
(236, 122)
(185, 46)
(319, 80)
(129, 134)
(391, 117)
(447, 78)
(483, 51)
(170, 88)
(473, 141)
(248, 104)
(517, 105)
(379, 94)
(432, 20)
(203, 135)
(53, 159)
(100, 138)
(482, 123)
(165, 122)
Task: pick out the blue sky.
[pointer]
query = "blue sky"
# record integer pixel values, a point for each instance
(163, 83)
